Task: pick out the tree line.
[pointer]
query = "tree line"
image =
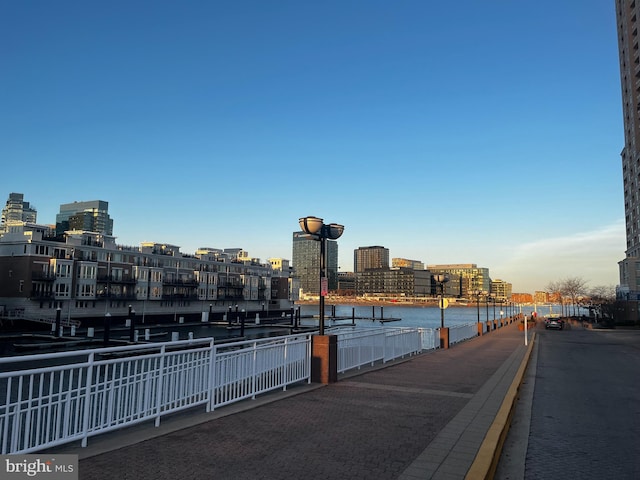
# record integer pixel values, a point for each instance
(573, 292)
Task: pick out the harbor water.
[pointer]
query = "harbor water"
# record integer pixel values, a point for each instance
(335, 315)
(426, 316)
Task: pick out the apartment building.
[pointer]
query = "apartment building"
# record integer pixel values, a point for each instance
(87, 275)
(628, 22)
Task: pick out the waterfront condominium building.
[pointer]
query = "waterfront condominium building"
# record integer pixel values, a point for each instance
(501, 290)
(87, 275)
(628, 22)
(17, 211)
(91, 216)
(366, 258)
(306, 263)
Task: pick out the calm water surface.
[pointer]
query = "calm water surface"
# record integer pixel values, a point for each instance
(428, 317)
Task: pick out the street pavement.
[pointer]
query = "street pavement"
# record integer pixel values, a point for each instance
(578, 413)
(425, 417)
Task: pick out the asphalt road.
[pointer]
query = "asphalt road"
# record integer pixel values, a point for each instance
(578, 413)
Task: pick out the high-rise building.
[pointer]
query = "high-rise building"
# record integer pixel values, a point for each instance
(306, 263)
(92, 216)
(628, 22)
(17, 210)
(367, 258)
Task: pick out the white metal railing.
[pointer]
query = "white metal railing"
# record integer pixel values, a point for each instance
(460, 333)
(79, 394)
(430, 338)
(367, 346)
(258, 367)
(52, 399)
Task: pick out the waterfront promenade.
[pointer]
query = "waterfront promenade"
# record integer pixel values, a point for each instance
(426, 417)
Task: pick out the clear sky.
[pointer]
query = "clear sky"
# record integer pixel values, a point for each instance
(484, 132)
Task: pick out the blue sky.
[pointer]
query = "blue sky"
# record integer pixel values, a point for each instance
(448, 132)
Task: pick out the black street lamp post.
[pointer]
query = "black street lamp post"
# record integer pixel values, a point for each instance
(132, 325)
(107, 329)
(477, 294)
(441, 279)
(58, 322)
(317, 230)
(486, 304)
(493, 299)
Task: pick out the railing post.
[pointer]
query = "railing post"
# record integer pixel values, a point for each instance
(211, 404)
(160, 385)
(253, 370)
(87, 400)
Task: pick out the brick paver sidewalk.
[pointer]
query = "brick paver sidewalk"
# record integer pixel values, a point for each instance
(423, 417)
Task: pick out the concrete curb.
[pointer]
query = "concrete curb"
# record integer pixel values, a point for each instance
(486, 460)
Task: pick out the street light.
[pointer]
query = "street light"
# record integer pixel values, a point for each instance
(107, 328)
(486, 304)
(441, 279)
(477, 294)
(317, 230)
(493, 299)
(58, 322)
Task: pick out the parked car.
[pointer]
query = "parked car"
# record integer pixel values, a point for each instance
(554, 322)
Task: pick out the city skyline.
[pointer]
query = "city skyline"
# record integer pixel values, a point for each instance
(491, 136)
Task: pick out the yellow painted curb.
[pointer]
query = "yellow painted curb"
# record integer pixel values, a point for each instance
(486, 461)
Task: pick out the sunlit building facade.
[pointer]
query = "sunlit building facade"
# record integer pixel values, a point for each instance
(367, 258)
(628, 23)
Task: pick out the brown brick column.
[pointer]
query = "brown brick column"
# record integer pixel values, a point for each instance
(480, 328)
(444, 337)
(324, 359)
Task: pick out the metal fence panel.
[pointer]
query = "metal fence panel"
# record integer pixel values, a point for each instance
(76, 395)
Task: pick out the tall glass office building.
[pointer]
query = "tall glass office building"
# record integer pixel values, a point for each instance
(306, 263)
(92, 216)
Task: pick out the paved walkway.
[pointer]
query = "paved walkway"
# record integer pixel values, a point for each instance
(423, 418)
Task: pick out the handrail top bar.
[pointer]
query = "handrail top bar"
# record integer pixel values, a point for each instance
(142, 346)
(87, 352)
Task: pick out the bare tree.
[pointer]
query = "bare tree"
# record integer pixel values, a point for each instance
(603, 298)
(555, 288)
(573, 288)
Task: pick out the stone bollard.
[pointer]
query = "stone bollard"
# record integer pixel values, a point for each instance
(480, 329)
